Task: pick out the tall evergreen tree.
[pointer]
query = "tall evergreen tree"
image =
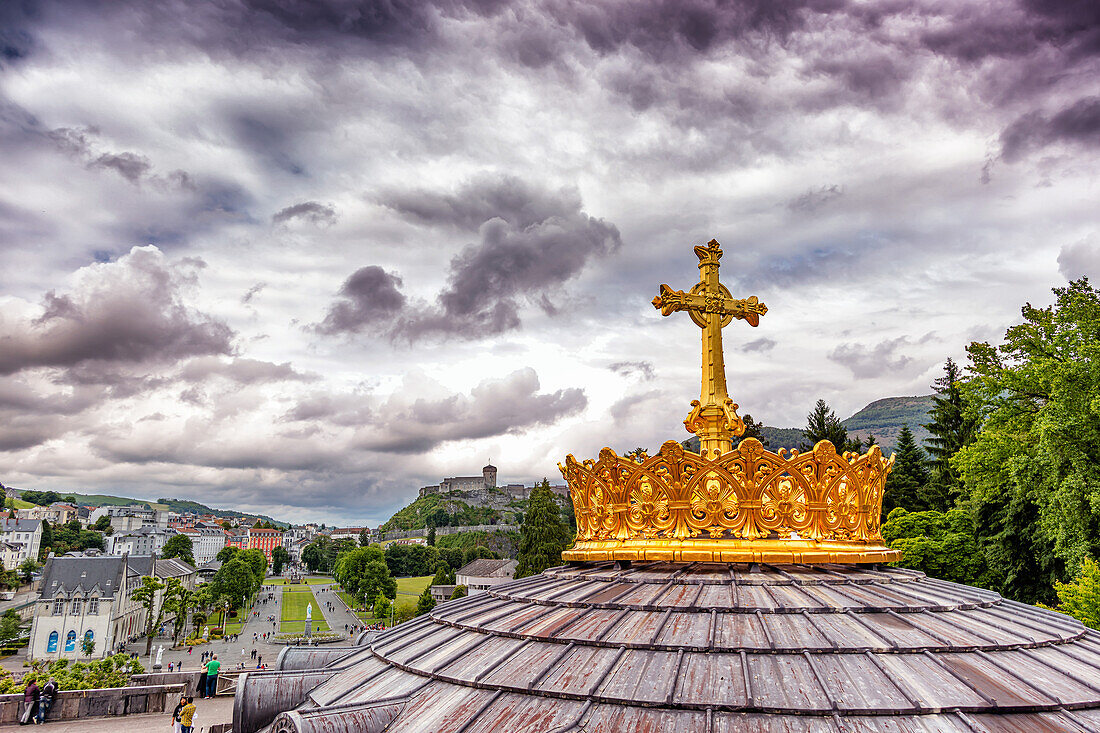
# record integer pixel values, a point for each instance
(952, 428)
(823, 424)
(907, 484)
(542, 536)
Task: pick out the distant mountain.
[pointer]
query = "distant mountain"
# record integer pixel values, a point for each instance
(884, 418)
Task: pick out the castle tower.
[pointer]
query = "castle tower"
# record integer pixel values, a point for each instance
(489, 473)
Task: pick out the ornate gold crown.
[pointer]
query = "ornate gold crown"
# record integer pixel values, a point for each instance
(752, 505)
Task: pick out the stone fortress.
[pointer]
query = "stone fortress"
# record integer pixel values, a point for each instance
(478, 489)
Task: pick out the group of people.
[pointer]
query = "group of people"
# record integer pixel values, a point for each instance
(37, 702)
(208, 681)
(183, 717)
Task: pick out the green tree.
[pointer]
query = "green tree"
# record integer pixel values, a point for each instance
(431, 536)
(279, 558)
(1080, 598)
(1032, 471)
(363, 573)
(27, 568)
(942, 545)
(823, 424)
(226, 553)
(952, 428)
(313, 555)
(753, 429)
(479, 552)
(87, 646)
(542, 536)
(443, 575)
(178, 600)
(180, 546)
(147, 595)
(102, 524)
(364, 537)
(382, 606)
(425, 602)
(257, 562)
(460, 591)
(10, 625)
(907, 484)
(46, 543)
(452, 556)
(234, 581)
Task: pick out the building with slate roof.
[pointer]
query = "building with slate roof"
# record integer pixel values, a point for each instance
(728, 590)
(480, 575)
(90, 597)
(27, 533)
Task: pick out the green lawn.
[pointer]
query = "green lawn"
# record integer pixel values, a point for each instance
(413, 586)
(294, 612)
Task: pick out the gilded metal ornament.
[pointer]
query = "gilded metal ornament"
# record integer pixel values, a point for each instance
(726, 504)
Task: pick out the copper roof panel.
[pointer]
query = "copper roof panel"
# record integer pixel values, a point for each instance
(792, 631)
(716, 596)
(440, 708)
(927, 682)
(640, 627)
(642, 676)
(608, 592)
(900, 630)
(856, 683)
(591, 624)
(348, 680)
(687, 630)
(509, 713)
(759, 723)
(526, 665)
(851, 631)
(755, 596)
(467, 666)
(550, 624)
(439, 636)
(793, 596)
(711, 679)
(393, 683)
(1038, 664)
(1059, 722)
(785, 681)
(580, 671)
(643, 594)
(678, 595)
(740, 630)
(620, 719)
(941, 723)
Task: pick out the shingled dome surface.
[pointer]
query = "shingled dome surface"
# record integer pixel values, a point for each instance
(698, 648)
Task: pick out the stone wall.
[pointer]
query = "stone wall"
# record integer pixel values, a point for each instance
(74, 704)
(440, 531)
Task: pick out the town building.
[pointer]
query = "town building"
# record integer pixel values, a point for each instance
(56, 513)
(206, 542)
(129, 518)
(91, 597)
(480, 575)
(9, 555)
(144, 541)
(236, 539)
(264, 540)
(442, 593)
(27, 533)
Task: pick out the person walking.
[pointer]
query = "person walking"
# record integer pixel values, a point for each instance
(45, 700)
(30, 703)
(212, 668)
(187, 716)
(177, 726)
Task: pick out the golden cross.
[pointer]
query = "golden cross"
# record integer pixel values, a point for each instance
(713, 416)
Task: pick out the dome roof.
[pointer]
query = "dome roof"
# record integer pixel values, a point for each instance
(698, 647)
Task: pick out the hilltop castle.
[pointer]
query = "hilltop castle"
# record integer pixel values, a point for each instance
(487, 480)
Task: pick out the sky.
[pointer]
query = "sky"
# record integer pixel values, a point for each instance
(302, 257)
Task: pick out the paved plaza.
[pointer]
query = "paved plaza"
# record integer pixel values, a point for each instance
(230, 654)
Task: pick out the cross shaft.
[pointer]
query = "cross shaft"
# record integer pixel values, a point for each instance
(713, 416)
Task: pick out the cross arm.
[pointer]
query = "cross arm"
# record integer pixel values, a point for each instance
(670, 301)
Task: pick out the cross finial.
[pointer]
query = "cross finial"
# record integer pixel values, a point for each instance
(710, 305)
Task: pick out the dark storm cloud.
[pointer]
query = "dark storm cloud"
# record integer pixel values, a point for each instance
(643, 369)
(762, 344)
(815, 198)
(127, 311)
(1080, 259)
(371, 298)
(1078, 123)
(242, 371)
(311, 211)
(130, 166)
(494, 407)
(532, 241)
(869, 362)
